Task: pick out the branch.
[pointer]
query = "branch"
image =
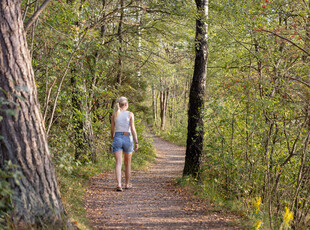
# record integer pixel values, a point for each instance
(286, 39)
(241, 43)
(62, 79)
(300, 81)
(36, 14)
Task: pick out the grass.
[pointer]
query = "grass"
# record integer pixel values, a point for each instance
(249, 216)
(209, 193)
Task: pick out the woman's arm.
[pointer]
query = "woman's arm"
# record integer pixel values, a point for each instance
(112, 126)
(133, 131)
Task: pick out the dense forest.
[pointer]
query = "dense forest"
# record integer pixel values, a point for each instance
(254, 109)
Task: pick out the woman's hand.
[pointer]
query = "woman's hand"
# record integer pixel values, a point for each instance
(136, 147)
(133, 131)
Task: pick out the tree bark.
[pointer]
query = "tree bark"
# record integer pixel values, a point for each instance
(120, 48)
(162, 110)
(36, 14)
(37, 198)
(77, 118)
(194, 146)
(154, 103)
(119, 74)
(164, 93)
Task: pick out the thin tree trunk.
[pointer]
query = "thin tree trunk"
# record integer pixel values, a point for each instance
(194, 146)
(172, 106)
(166, 101)
(139, 16)
(47, 95)
(36, 14)
(24, 143)
(156, 108)
(120, 48)
(268, 173)
(162, 110)
(33, 33)
(77, 120)
(103, 27)
(61, 81)
(26, 10)
(153, 102)
(120, 53)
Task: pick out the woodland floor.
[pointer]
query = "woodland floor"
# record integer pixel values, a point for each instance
(154, 202)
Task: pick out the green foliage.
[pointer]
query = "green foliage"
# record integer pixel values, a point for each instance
(7, 102)
(73, 183)
(146, 153)
(257, 110)
(256, 141)
(8, 173)
(175, 134)
(254, 114)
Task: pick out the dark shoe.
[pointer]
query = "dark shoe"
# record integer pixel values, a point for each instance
(129, 186)
(119, 189)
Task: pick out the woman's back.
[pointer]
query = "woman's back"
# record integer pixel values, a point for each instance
(122, 122)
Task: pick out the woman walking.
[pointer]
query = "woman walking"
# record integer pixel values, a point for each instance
(123, 133)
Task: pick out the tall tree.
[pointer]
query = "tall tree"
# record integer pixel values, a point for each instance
(194, 145)
(37, 198)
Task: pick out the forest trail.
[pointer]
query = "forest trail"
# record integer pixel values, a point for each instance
(153, 202)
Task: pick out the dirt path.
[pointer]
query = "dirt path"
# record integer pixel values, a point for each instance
(153, 202)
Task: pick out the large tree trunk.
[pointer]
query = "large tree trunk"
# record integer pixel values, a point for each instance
(195, 128)
(23, 142)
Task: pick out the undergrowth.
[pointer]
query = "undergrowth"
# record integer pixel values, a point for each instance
(73, 186)
(251, 212)
(209, 193)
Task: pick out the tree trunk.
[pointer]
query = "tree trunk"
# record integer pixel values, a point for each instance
(120, 53)
(162, 110)
(37, 198)
(139, 21)
(154, 103)
(163, 107)
(167, 91)
(77, 119)
(156, 107)
(120, 48)
(194, 146)
(103, 27)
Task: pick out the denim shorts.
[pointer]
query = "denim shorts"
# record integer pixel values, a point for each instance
(121, 142)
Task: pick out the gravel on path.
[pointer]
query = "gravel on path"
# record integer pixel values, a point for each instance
(153, 202)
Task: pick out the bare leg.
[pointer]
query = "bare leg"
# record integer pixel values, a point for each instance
(118, 167)
(127, 162)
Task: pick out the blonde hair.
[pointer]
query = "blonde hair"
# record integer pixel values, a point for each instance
(120, 103)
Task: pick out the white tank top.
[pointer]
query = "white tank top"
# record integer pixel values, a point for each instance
(122, 122)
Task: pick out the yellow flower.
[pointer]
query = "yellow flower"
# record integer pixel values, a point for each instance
(257, 203)
(288, 216)
(257, 225)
